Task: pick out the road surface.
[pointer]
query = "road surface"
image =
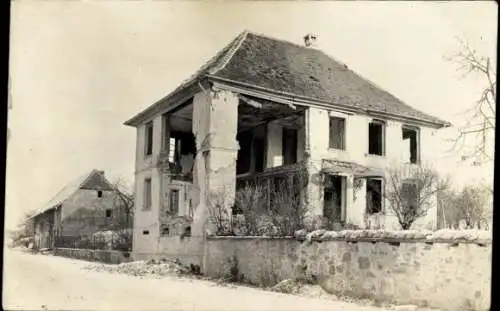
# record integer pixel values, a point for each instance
(43, 282)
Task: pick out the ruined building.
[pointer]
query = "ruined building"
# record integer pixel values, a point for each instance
(81, 208)
(260, 109)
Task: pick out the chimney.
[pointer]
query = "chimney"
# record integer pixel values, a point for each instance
(310, 40)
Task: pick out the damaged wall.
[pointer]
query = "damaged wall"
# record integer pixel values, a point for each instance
(215, 117)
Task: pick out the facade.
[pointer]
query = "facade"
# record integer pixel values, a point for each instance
(79, 209)
(262, 109)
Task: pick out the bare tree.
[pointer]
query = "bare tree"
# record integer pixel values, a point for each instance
(468, 206)
(480, 124)
(24, 229)
(123, 204)
(412, 192)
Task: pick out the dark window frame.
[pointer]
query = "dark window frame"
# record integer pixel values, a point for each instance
(370, 209)
(333, 144)
(173, 206)
(293, 135)
(414, 158)
(148, 194)
(373, 145)
(148, 138)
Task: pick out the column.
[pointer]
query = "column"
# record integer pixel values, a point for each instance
(215, 119)
(314, 147)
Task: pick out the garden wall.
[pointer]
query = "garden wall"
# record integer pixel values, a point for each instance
(442, 274)
(106, 256)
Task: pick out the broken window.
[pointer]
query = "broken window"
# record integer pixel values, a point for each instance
(108, 213)
(147, 193)
(376, 139)
(410, 138)
(99, 194)
(337, 133)
(373, 196)
(182, 152)
(289, 144)
(165, 132)
(172, 149)
(149, 138)
(174, 201)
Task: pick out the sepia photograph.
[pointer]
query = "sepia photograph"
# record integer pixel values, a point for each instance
(250, 155)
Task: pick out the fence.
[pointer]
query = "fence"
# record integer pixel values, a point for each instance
(113, 242)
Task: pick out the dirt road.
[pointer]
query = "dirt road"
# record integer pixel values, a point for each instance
(42, 282)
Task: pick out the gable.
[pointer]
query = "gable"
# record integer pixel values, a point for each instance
(96, 181)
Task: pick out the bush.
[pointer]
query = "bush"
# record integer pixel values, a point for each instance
(271, 207)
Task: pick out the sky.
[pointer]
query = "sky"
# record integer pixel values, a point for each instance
(79, 69)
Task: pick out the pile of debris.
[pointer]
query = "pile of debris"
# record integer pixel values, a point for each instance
(160, 267)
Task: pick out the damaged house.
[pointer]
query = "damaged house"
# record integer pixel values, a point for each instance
(258, 110)
(81, 208)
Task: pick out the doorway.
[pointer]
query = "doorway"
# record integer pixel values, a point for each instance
(334, 199)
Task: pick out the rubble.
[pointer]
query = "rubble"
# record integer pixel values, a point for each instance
(141, 268)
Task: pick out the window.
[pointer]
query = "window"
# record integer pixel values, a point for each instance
(172, 150)
(147, 193)
(373, 196)
(376, 139)
(187, 231)
(411, 140)
(149, 138)
(165, 132)
(409, 194)
(108, 213)
(165, 231)
(289, 146)
(99, 194)
(174, 201)
(145, 232)
(244, 157)
(337, 133)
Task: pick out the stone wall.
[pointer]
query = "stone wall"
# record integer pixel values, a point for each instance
(106, 256)
(447, 275)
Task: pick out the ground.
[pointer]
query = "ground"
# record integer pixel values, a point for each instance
(43, 282)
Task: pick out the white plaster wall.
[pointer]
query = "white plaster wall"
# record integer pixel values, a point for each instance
(147, 220)
(356, 150)
(357, 139)
(274, 156)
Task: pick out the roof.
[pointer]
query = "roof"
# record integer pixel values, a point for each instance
(93, 180)
(278, 66)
